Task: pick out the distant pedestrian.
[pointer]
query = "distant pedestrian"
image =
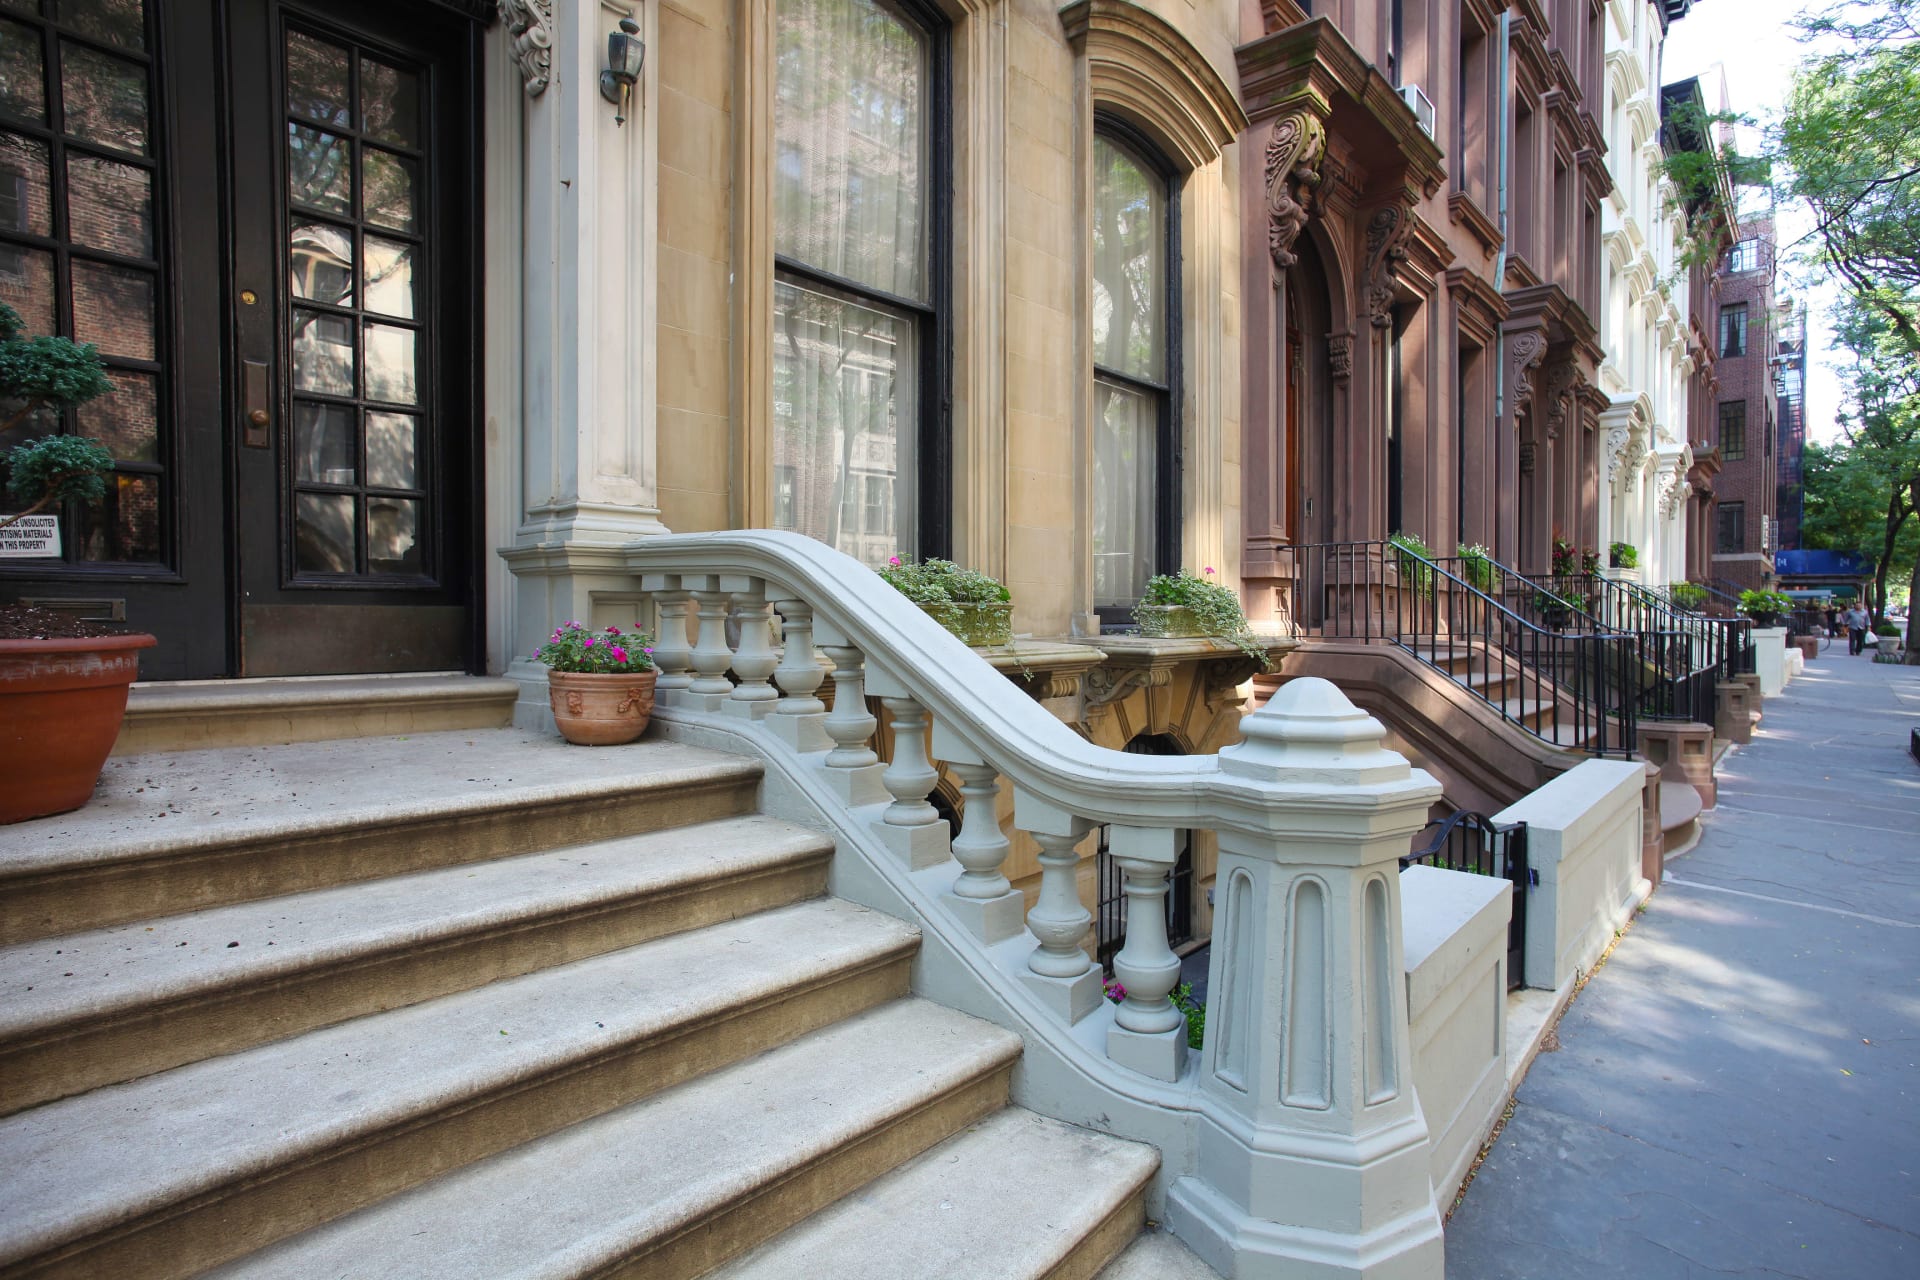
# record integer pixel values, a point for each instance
(1857, 624)
(1833, 621)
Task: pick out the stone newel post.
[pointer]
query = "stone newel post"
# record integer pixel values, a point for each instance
(1313, 1149)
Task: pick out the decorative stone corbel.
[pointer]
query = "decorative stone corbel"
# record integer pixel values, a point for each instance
(530, 23)
(1222, 680)
(1562, 377)
(1388, 231)
(1340, 356)
(1524, 351)
(1293, 159)
(1103, 686)
(1619, 437)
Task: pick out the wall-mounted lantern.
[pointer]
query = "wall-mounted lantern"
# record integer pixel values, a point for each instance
(626, 52)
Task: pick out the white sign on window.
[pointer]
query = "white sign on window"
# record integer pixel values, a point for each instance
(30, 537)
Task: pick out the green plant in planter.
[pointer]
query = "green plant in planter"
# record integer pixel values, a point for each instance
(1589, 562)
(1688, 595)
(1413, 557)
(972, 605)
(38, 376)
(1623, 555)
(1764, 606)
(1553, 609)
(1214, 608)
(1886, 629)
(1478, 566)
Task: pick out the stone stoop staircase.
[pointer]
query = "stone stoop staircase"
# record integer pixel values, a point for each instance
(327, 1009)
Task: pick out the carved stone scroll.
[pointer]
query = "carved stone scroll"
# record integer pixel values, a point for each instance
(1340, 355)
(1388, 231)
(1562, 379)
(1524, 351)
(530, 24)
(1293, 159)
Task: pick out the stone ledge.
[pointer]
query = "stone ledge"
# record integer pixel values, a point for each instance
(199, 714)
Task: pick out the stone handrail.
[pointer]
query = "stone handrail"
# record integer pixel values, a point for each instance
(1303, 1134)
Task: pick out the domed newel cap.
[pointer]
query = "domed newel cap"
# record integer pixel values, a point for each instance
(1310, 732)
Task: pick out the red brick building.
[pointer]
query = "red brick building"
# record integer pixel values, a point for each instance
(1745, 516)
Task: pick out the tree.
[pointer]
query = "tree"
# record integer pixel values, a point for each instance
(38, 375)
(1862, 494)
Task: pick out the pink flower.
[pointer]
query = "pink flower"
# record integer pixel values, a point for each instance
(893, 560)
(619, 654)
(589, 643)
(647, 651)
(613, 631)
(1209, 568)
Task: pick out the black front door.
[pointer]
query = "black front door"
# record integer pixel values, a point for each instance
(262, 214)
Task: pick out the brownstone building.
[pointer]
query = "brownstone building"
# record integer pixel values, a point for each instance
(1745, 427)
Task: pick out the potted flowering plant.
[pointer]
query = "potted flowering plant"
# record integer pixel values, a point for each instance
(63, 681)
(599, 683)
(972, 605)
(1589, 562)
(1414, 558)
(1478, 566)
(1184, 604)
(1565, 555)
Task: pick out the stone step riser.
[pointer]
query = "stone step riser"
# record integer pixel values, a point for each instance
(184, 718)
(1093, 1251)
(257, 1208)
(764, 1212)
(117, 1049)
(191, 877)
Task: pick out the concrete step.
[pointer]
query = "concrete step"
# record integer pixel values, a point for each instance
(182, 832)
(188, 715)
(179, 1171)
(1680, 809)
(1017, 1197)
(673, 1186)
(83, 1010)
(1158, 1255)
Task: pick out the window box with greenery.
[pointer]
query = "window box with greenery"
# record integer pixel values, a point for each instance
(1688, 595)
(1623, 555)
(63, 682)
(1414, 558)
(1554, 611)
(973, 606)
(1188, 605)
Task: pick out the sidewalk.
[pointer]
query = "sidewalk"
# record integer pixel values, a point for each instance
(1738, 1092)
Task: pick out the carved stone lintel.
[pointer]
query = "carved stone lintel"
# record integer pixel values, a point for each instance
(1388, 231)
(1524, 351)
(530, 23)
(1293, 158)
(1340, 355)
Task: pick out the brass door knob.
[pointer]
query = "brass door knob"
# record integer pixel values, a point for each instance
(259, 417)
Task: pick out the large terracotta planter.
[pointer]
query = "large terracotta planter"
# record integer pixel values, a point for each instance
(61, 703)
(601, 710)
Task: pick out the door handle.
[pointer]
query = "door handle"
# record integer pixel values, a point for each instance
(255, 392)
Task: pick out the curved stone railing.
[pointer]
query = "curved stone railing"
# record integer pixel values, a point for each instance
(1310, 1142)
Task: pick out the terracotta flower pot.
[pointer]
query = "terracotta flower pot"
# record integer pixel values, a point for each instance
(61, 703)
(601, 710)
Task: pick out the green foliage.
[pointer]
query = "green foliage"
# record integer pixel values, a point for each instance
(943, 582)
(1215, 608)
(1546, 603)
(573, 648)
(1886, 629)
(1478, 566)
(1688, 595)
(1194, 1011)
(56, 468)
(1415, 556)
(1703, 166)
(1623, 555)
(1756, 603)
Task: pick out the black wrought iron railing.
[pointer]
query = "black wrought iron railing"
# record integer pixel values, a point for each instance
(1684, 654)
(1575, 685)
(1467, 841)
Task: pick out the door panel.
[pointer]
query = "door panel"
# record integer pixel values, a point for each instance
(349, 196)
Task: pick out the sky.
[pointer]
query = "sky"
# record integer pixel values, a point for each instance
(1749, 40)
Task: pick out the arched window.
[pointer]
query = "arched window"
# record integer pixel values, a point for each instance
(1136, 368)
(859, 294)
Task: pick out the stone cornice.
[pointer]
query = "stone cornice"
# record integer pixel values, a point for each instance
(1462, 211)
(1477, 305)
(1141, 66)
(1311, 66)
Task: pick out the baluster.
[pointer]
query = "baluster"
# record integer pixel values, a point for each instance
(851, 768)
(910, 826)
(672, 654)
(710, 689)
(1148, 1034)
(799, 716)
(982, 897)
(1061, 974)
(755, 659)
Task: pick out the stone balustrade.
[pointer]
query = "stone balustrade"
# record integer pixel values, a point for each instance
(1296, 1137)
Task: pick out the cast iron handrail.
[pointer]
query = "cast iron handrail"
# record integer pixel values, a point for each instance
(1474, 842)
(1576, 690)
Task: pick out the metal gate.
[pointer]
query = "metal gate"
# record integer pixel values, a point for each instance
(1473, 842)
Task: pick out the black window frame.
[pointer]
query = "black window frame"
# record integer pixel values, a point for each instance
(933, 471)
(1738, 418)
(1744, 256)
(1169, 458)
(1730, 515)
(1729, 349)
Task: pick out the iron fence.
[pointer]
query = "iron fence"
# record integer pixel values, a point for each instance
(1473, 842)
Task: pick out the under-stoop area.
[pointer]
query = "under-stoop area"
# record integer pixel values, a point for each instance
(473, 1002)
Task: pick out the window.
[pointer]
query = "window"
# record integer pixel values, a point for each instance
(1396, 42)
(1135, 370)
(1733, 330)
(859, 295)
(1730, 535)
(1744, 256)
(1733, 430)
